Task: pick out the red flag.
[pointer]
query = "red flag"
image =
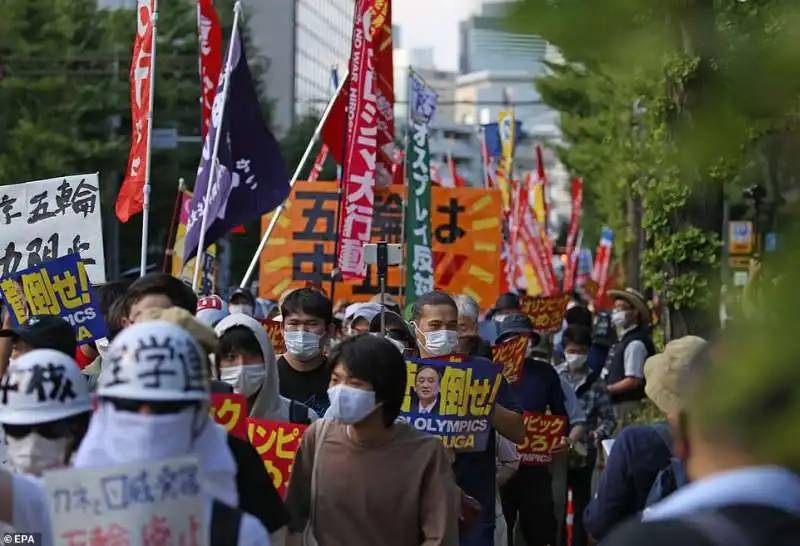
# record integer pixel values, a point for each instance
(333, 131)
(458, 182)
(319, 163)
(572, 235)
(209, 33)
(541, 174)
(130, 200)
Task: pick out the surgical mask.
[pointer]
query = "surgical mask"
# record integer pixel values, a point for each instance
(575, 362)
(240, 308)
(245, 379)
(102, 346)
(441, 342)
(129, 437)
(33, 454)
(349, 404)
(619, 318)
(302, 344)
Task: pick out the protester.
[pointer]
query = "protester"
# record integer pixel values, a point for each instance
(397, 331)
(141, 420)
(211, 310)
(40, 332)
(257, 494)
(358, 316)
(468, 316)
(744, 471)
(303, 374)
(340, 489)
(641, 452)
(507, 464)
(538, 391)
(387, 301)
(600, 421)
(246, 361)
(435, 322)
(157, 290)
(105, 294)
(115, 319)
(241, 300)
(625, 361)
(507, 304)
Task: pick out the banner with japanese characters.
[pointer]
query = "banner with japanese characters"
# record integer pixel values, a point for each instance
(131, 504)
(452, 400)
(546, 312)
(58, 287)
(511, 355)
(543, 433)
(277, 443)
(46, 219)
(419, 257)
(230, 410)
(209, 272)
(465, 240)
(275, 333)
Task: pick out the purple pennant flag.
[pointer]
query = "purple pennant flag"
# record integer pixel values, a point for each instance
(252, 178)
(493, 145)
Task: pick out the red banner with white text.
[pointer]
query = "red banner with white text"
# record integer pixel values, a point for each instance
(572, 235)
(209, 32)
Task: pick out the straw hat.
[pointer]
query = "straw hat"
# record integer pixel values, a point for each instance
(662, 372)
(636, 300)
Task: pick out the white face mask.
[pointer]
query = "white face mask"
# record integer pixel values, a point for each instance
(34, 454)
(440, 342)
(240, 308)
(619, 318)
(349, 404)
(301, 344)
(245, 379)
(134, 437)
(575, 362)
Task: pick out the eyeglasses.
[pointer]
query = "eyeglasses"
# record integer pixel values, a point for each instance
(51, 431)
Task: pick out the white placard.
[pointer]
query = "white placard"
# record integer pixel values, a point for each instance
(132, 504)
(46, 219)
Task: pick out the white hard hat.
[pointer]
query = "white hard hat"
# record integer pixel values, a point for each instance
(154, 361)
(42, 386)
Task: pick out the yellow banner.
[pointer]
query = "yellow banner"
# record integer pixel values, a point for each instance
(506, 126)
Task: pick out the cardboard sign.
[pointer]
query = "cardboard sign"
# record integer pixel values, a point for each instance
(277, 443)
(511, 355)
(546, 312)
(543, 433)
(230, 410)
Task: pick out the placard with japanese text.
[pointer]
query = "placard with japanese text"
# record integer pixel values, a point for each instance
(277, 443)
(146, 503)
(511, 355)
(452, 400)
(546, 312)
(46, 219)
(543, 433)
(230, 410)
(58, 287)
(465, 230)
(275, 333)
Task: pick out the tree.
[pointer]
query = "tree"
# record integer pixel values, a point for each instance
(718, 84)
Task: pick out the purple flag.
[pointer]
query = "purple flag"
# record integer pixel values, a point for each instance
(493, 145)
(252, 178)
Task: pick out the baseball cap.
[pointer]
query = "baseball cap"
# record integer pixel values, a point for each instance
(514, 325)
(244, 292)
(45, 332)
(211, 310)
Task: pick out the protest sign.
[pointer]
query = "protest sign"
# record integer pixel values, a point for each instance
(465, 230)
(511, 355)
(452, 400)
(230, 410)
(128, 505)
(209, 271)
(273, 329)
(46, 219)
(277, 443)
(546, 312)
(58, 287)
(543, 433)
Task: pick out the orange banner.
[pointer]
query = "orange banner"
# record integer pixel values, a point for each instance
(543, 433)
(465, 226)
(230, 410)
(511, 354)
(546, 312)
(273, 329)
(276, 442)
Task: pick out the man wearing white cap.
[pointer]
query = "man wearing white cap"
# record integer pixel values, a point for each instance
(358, 316)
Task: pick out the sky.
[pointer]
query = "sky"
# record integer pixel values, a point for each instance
(432, 23)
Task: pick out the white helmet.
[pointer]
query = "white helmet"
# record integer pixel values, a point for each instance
(154, 361)
(42, 386)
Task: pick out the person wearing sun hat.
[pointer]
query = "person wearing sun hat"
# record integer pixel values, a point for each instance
(625, 361)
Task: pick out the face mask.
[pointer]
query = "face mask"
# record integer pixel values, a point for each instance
(350, 405)
(34, 454)
(575, 362)
(441, 342)
(619, 318)
(133, 437)
(240, 308)
(304, 345)
(245, 379)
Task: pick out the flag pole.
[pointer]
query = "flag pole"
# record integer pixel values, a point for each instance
(212, 176)
(146, 189)
(300, 166)
(173, 228)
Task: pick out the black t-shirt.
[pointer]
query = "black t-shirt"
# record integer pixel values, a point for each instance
(309, 388)
(257, 494)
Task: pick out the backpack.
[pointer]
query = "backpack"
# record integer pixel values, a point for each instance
(299, 413)
(670, 478)
(225, 523)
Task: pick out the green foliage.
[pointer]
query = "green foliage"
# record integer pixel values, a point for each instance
(295, 142)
